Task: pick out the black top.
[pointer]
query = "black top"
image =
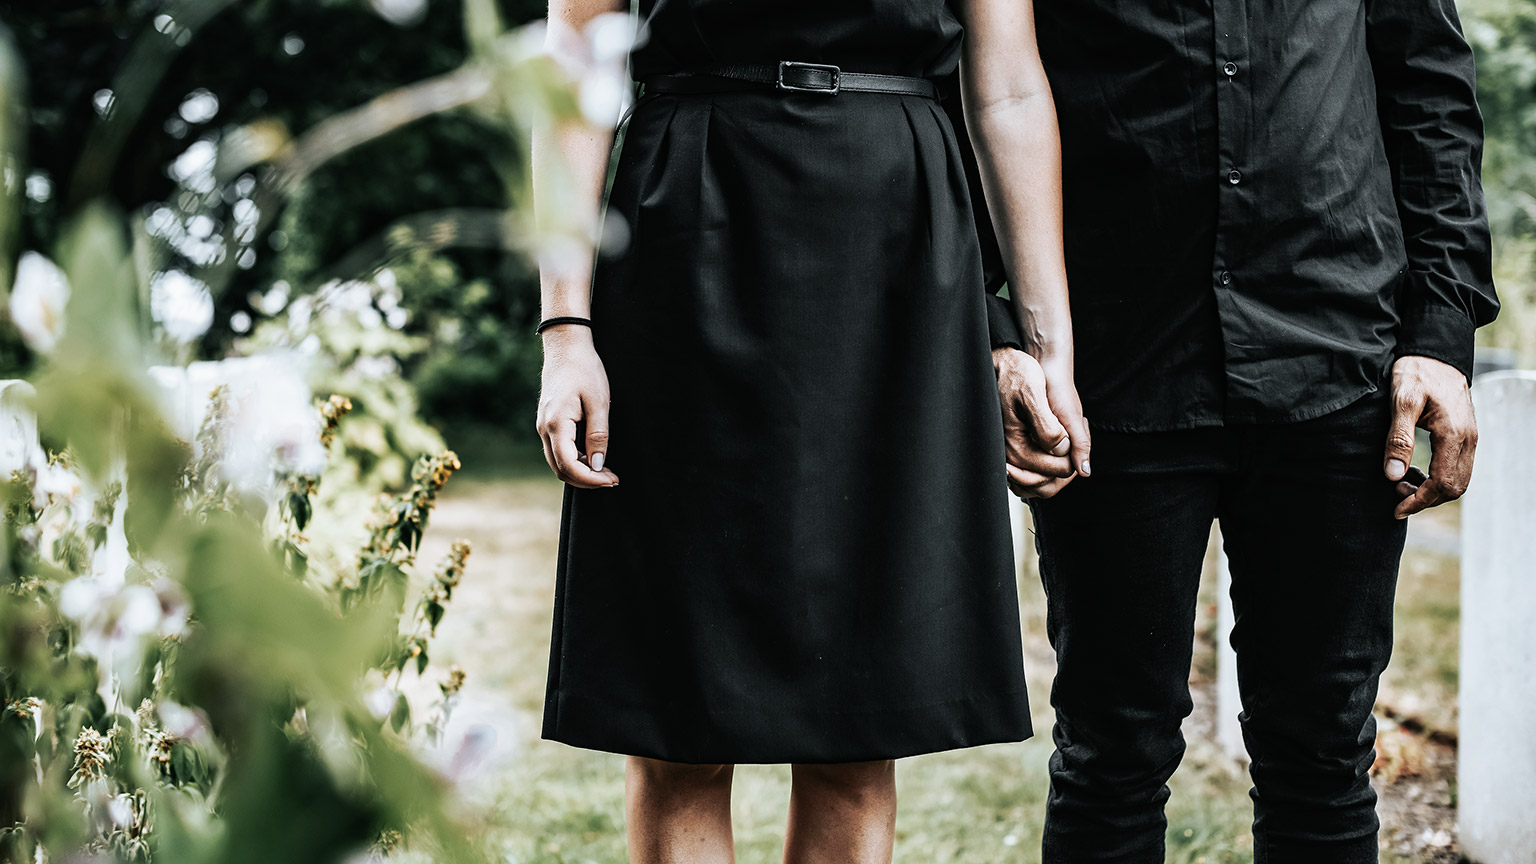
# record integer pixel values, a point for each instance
(1257, 223)
(893, 37)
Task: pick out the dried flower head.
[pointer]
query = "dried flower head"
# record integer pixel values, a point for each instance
(331, 412)
(452, 570)
(455, 681)
(93, 751)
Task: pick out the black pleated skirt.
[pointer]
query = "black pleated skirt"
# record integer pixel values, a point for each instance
(808, 557)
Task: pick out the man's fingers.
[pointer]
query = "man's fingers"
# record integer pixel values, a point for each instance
(1407, 407)
(1450, 467)
(1023, 450)
(1424, 497)
(1041, 421)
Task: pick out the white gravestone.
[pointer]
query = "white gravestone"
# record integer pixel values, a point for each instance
(1496, 774)
(1229, 703)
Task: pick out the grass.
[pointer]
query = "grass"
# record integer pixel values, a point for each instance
(553, 804)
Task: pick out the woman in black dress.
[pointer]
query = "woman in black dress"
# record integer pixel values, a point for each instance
(808, 560)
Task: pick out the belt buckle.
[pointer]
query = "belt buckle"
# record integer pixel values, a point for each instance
(834, 75)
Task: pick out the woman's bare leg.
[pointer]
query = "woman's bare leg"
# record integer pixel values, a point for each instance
(678, 814)
(842, 814)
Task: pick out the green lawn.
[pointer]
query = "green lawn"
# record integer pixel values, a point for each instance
(552, 803)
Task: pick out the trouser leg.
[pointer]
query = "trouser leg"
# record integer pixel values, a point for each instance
(1120, 558)
(1314, 551)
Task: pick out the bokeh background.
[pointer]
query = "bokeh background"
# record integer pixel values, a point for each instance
(342, 181)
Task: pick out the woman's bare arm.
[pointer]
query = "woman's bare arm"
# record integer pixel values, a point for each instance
(570, 164)
(1012, 120)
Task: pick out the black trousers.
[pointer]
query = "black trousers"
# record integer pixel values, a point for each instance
(1306, 517)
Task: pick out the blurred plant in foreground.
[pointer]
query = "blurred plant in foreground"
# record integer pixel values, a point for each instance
(188, 672)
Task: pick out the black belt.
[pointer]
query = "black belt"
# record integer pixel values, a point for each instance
(791, 77)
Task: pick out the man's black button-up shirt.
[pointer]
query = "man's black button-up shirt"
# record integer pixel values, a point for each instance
(1265, 203)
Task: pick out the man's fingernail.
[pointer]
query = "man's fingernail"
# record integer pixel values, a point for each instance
(1396, 469)
(1086, 469)
(597, 461)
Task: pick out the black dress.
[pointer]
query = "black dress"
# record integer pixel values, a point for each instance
(808, 557)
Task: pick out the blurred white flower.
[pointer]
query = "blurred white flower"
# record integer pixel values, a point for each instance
(200, 106)
(187, 724)
(193, 169)
(402, 13)
(39, 187)
(112, 622)
(275, 299)
(175, 607)
(480, 737)
(273, 423)
(182, 305)
(604, 96)
(611, 36)
(38, 300)
(119, 811)
(380, 701)
(563, 256)
(375, 367)
(51, 481)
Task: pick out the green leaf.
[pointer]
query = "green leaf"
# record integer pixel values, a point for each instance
(401, 714)
(188, 765)
(300, 508)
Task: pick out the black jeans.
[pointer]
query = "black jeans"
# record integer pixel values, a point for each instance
(1306, 517)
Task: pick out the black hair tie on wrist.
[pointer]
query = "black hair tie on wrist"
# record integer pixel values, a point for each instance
(563, 319)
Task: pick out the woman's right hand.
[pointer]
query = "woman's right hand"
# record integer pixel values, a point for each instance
(574, 389)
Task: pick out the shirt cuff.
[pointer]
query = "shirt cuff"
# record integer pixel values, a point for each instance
(1002, 329)
(1440, 333)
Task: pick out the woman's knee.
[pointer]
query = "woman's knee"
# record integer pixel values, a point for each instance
(854, 781)
(678, 777)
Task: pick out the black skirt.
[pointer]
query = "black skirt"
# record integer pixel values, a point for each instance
(808, 557)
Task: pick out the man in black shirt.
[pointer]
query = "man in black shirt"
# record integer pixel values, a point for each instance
(1277, 252)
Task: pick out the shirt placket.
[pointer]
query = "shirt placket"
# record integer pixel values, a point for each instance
(1234, 117)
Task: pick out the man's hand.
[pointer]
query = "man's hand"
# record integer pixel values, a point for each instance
(1432, 395)
(1043, 426)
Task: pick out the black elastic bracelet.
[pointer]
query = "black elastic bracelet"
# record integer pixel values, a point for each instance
(563, 319)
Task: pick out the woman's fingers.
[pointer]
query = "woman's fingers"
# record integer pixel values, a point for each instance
(1028, 484)
(596, 444)
(561, 443)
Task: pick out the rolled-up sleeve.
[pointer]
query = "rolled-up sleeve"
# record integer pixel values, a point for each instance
(1433, 131)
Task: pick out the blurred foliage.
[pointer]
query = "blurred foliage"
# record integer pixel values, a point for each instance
(285, 66)
(201, 649)
(1503, 34)
(179, 682)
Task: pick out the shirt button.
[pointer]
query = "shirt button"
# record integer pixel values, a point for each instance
(1230, 68)
(1234, 176)
(1226, 278)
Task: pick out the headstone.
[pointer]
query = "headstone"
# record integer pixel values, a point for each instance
(1229, 703)
(1496, 771)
